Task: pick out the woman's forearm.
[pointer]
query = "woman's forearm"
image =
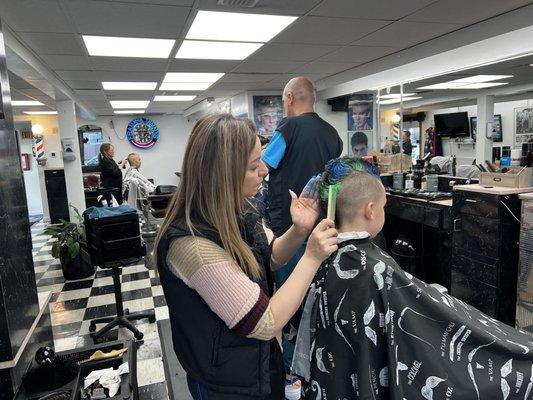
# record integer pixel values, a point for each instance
(286, 246)
(287, 299)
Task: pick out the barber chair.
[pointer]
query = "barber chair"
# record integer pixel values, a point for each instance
(160, 199)
(114, 242)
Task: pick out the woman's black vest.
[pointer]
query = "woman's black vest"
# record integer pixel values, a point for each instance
(208, 350)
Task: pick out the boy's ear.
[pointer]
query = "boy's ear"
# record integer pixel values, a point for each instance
(369, 210)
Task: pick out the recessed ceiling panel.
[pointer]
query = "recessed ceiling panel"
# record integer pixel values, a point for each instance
(364, 9)
(54, 43)
(291, 52)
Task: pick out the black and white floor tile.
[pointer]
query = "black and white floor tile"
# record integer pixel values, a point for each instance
(75, 303)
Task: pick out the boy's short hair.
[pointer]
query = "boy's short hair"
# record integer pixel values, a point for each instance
(357, 189)
(359, 138)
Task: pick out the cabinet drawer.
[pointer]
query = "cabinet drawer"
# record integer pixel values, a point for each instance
(478, 294)
(478, 235)
(484, 205)
(484, 269)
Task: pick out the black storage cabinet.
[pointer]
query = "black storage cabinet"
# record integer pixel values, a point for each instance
(56, 193)
(485, 252)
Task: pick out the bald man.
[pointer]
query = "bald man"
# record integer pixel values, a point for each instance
(300, 147)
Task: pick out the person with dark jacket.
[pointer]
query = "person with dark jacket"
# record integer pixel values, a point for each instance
(214, 263)
(110, 173)
(300, 148)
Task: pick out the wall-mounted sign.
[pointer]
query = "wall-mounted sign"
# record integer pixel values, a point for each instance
(142, 133)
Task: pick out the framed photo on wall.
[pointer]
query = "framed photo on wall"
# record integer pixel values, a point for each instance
(497, 135)
(360, 143)
(523, 130)
(360, 112)
(268, 111)
(25, 161)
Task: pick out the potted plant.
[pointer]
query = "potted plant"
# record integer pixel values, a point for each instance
(70, 240)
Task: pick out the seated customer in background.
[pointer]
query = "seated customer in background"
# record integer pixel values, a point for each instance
(134, 177)
(376, 332)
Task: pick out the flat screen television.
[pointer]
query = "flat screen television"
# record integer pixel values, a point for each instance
(452, 124)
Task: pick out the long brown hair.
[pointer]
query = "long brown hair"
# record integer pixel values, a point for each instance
(210, 192)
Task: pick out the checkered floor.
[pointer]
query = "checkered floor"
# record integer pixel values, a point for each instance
(75, 303)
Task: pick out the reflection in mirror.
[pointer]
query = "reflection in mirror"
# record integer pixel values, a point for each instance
(91, 138)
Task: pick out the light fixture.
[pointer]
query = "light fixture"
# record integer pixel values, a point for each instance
(397, 100)
(395, 95)
(193, 76)
(37, 129)
(204, 50)
(482, 85)
(129, 111)
(40, 112)
(131, 104)
(184, 86)
(26, 103)
(129, 85)
(438, 86)
(174, 98)
(482, 78)
(112, 46)
(395, 119)
(238, 27)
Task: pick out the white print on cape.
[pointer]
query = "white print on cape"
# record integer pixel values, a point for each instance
(400, 366)
(337, 327)
(315, 387)
(505, 370)
(410, 334)
(292, 333)
(384, 377)
(367, 318)
(455, 337)
(530, 384)
(525, 348)
(319, 363)
(348, 274)
(431, 383)
(379, 269)
(470, 369)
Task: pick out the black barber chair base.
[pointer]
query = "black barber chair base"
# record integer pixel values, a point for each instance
(123, 317)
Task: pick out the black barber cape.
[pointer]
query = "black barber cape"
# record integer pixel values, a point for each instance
(383, 334)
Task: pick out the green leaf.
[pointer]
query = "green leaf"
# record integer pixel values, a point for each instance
(73, 250)
(55, 250)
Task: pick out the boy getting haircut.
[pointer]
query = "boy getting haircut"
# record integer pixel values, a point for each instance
(372, 331)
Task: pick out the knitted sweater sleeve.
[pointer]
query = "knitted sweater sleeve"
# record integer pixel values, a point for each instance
(228, 291)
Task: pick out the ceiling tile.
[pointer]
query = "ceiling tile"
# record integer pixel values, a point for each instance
(128, 64)
(54, 43)
(62, 62)
(268, 66)
(34, 16)
(291, 52)
(127, 19)
(405, 34)
(321, 30)
(277, 7)
(75, 84)
(238, 77)
(76, 75)
(184, 65)
(464, 12)
(284, 78)
(117, 76)
(162, 2)
(321, 67)
(358, 54)
(364, 9)
(90, 92)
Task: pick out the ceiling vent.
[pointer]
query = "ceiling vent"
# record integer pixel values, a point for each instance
(238, 3)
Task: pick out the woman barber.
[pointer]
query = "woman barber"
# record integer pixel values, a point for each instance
(214, 262)
(110, 173)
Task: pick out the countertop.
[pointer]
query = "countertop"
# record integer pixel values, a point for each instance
(526, 196)
(444, 202)
(496, 190)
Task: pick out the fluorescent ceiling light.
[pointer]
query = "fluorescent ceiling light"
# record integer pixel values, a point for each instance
(131, 104)
(129, 85)
(395, 95)
(394, 101)
(184, 86)
(174, 98)
(482, 85)
(481, 78)
(216, 50)
(40, 112)
(26, 103)
(203, 77)
(129, 111)
(239, 27)
(128, 47)
(444, 85)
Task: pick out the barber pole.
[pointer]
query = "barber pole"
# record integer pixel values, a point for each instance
(39, 146)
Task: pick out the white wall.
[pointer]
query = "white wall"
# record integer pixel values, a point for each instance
(338, 119)
(465, 153)
(162, 160)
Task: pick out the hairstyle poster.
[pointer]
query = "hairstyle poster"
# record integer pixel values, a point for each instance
(268, 111)
(360, 112)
